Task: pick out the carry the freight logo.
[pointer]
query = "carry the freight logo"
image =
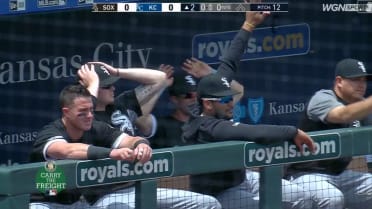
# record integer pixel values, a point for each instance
(328, 146)
(50, 179)
(109, 171)
(286, 40)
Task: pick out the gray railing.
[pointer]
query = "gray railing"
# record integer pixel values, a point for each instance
(17, 182)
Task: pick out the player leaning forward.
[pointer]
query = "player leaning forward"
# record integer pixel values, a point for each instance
(78, 136)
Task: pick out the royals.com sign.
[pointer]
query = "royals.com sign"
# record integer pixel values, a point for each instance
(286, 40)
(107, 171)
(328, 146)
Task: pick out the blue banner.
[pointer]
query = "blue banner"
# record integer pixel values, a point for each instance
(280, 41)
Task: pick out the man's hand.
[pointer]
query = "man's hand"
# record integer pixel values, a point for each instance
(87, 75)
(122, 154)
(89, 78)
(196, 68)
(302, 138)
(168, 70)
(143, 153)
(253, 19)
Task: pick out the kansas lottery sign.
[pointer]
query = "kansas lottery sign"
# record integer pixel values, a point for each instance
(286, 40)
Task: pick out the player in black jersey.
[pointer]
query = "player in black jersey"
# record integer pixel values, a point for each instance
(130, 111)
(215, 97)
(78, 136)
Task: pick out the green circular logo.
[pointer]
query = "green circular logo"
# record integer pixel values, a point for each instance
(50, 179)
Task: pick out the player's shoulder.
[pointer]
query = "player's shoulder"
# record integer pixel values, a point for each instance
(53, 126)
(324, 93)
(96, 124)
(166, 119)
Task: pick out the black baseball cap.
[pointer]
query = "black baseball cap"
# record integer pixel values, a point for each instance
(105, 79)
(214, 86)
(351, 68)
(183, 83)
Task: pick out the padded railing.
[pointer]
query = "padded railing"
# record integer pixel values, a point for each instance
(18, 181)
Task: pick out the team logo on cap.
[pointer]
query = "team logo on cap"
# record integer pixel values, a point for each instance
(361, 66)
(225, 82)
(190, 80)
(104, 70)
(255, 109)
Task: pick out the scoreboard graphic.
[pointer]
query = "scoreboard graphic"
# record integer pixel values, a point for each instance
(189, 7)
(16, 7)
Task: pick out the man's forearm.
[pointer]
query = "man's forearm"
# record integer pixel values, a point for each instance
(142, 75)
(146, 124)
(148, 95)
(64, 150)
(231, 58)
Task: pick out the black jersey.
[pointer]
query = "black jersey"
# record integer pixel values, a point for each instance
(123, 113)
(205, 129)
(168, 133)
(101, 134)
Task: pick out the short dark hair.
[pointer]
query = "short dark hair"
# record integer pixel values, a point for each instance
(71, 92)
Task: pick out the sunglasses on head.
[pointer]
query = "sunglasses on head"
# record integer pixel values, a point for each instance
(106, 87)
(187, 96)
(222, 100)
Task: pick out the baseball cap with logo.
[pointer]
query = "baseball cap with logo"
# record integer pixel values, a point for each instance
(105, 79)
(183, 83)
(214, 86)
(351, 68)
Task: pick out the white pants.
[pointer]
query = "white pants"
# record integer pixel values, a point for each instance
(246, 195)
(125, 199)
(350, 189)
(48, 205)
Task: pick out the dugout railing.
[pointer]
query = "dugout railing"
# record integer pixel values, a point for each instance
(18, 181)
